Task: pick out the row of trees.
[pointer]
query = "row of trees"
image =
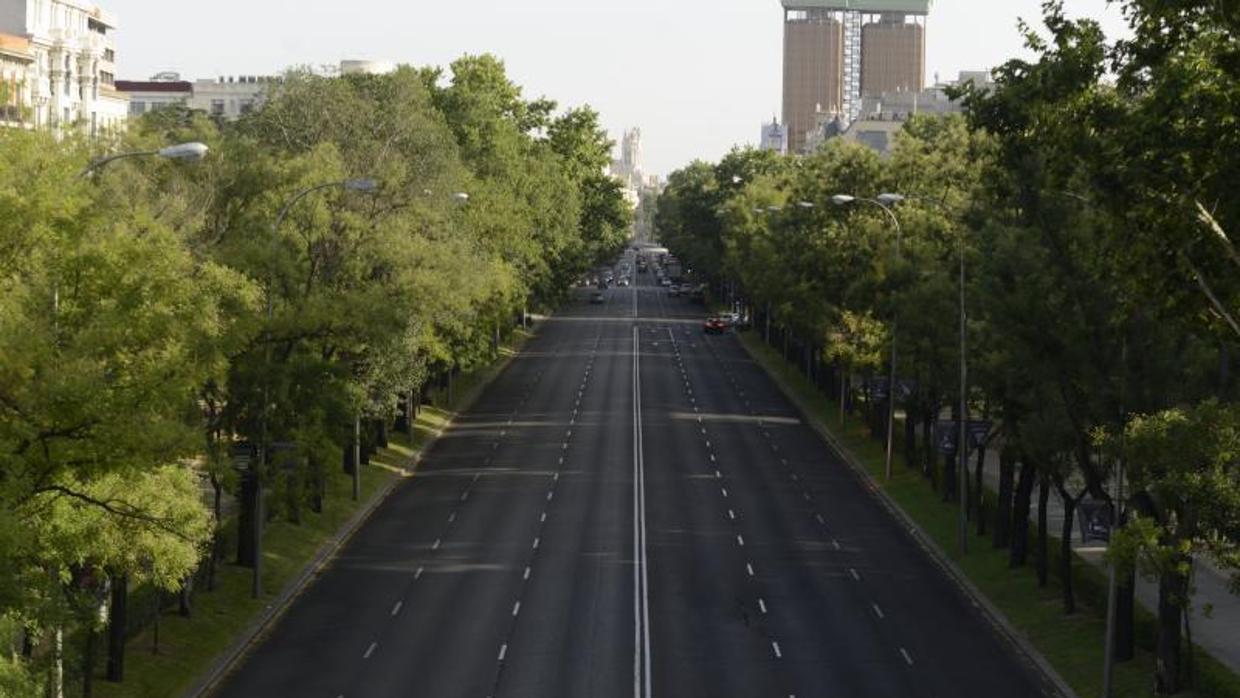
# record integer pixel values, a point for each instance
(1088, 196)
(154, 323)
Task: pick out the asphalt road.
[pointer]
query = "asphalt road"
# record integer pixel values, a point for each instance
(632, 509)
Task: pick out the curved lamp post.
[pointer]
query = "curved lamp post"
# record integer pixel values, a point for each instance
(885, 202)
(365, 186)
(183, 152)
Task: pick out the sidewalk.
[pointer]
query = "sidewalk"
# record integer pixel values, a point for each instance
(1218, 634)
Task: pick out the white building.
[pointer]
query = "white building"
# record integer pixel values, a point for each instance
(72, 74)
(774, 137)
(231, 97)
(163, 90)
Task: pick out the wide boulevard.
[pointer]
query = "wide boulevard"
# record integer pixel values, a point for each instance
(633, 509)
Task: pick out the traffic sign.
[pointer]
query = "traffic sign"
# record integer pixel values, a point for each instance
(878, 388)
(1095, 518)
(947, 435)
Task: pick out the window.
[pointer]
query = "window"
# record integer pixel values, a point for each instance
(109, 55)
(217, 107)
(137, 108)
(247, 106)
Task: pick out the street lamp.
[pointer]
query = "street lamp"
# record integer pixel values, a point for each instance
(885, 202)
(962, 448)
(182, 152)
(365, 186)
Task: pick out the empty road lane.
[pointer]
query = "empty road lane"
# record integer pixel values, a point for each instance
(632, 509)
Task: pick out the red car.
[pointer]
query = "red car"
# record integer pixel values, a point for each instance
(715, 325)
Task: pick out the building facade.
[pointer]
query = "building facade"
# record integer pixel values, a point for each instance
(16, 61)
(893, 55)
(70, 81)
(163, 90)
(813, 77)
(838, 51)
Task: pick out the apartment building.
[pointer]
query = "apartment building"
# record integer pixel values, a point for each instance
(70, 79)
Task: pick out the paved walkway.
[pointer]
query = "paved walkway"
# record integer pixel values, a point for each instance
(1218, 633)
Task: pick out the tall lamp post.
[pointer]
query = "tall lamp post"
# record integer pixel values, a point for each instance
(885, 202)
(356, 185)
(962, 444)
(184, 152)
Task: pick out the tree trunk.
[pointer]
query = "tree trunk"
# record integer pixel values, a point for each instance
(1043, 549)
(843, 377)
(1125, 618)
(930, 453)
(247, 519)
(381, 433)
(979, 490)
(185, 601)
(117, 620)
(1172, 591)
(1003, 507)
(58, 664)
(951, 467)
(1065, 552)
(88, 661)
(217, 542)
(348, 458)
(910, 436)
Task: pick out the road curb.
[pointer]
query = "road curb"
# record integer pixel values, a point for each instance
(227, 661)
(992, 613)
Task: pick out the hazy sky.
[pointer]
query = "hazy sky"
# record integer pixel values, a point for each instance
(697, 76)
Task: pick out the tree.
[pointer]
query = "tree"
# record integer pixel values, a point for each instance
(1184, 463)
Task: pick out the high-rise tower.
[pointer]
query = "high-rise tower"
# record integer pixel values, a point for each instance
(836, 51)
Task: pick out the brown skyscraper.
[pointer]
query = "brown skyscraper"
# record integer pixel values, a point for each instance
(893, 56)
(837, 50)
(813, 53)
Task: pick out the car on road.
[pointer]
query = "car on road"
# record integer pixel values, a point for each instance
(716, 325)
(665, 282)
(673, 291)
(597, 298)
(624, 281)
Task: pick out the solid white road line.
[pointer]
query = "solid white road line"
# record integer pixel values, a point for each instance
(641, 602)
